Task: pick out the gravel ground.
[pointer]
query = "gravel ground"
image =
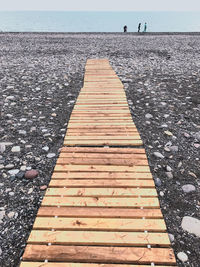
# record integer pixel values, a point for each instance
(40, 78)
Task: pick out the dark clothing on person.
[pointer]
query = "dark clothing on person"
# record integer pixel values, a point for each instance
(145, 27)
(125, 28)
(139, 26)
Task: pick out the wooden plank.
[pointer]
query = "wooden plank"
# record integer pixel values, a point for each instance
(102, 175)
(100, 254)
(104, 150)
(97, 161)
(102, 137)
(70, 264)
(102, 192)
(105, 142)
(102, 183)
(101, 202)
(98, 238)
(101, 168)
(89, 212)
(102, 155)
(99, 224)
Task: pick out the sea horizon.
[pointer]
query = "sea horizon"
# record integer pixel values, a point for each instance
(99, 21)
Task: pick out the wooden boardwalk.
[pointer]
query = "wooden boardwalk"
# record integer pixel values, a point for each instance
(101, 207)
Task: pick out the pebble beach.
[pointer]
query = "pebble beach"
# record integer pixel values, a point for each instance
(41, 75)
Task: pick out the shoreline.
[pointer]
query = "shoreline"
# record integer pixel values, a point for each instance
(108, 33)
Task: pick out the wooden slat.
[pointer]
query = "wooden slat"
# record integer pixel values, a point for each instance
(103, 192)
(102, 155)
(101, 202)
(125, 255)
(98, 238)
(97, 161)
(102, 175)
(101, 168)
(104, 150)
(68, 264)
(102, 183)
(90, 212)
(97, 224)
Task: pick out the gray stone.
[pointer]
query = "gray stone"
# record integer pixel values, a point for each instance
(171, 237)
(11, 214)
(148, 116)
(51, 155)
(11, 97)
(15, 149)
(13, 172)
(45, 148)
(158, 155)
(173, 148)
(197, 136)
(168, 168)
(158, 182)
(182, 256)
(9, 166)
(2, 148)
(169, 175)
(1, 166)
(0, 251)
(187, 188)
(22, 132)
(2, 214)
(191, 225)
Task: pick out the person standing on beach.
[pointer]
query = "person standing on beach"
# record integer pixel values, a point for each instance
(139, 26)
(125, 28)
(145, 27)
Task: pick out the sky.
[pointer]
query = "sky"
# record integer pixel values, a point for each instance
(101, 5)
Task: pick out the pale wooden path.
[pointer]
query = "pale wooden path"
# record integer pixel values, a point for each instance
(101, 207)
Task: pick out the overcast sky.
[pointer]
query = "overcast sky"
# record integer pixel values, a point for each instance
(102, 5)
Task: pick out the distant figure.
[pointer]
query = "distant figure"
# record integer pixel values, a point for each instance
(145, 27)
(125, 28)
(139, 26)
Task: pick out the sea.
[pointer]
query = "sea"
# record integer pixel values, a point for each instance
(73, 21)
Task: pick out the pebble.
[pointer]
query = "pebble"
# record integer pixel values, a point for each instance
(182, 256)
(158, 182)
(197, 136)
(11, 214)
(148, 116)
(162, 194)
(169, 175)
(0, 251)
(22, 132)
(9, 166)
(31, 174)
(188, 188)
(51, 155)
(15, 149)
(2, 148)
(191, 225)
(1, 166)
(168, 168)
(173, 148)
(158, 155)
(168, 133)
(171, 237)
(13, 172)
(2, 214)
(45, 148)
(43, 187)
(30, 191)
